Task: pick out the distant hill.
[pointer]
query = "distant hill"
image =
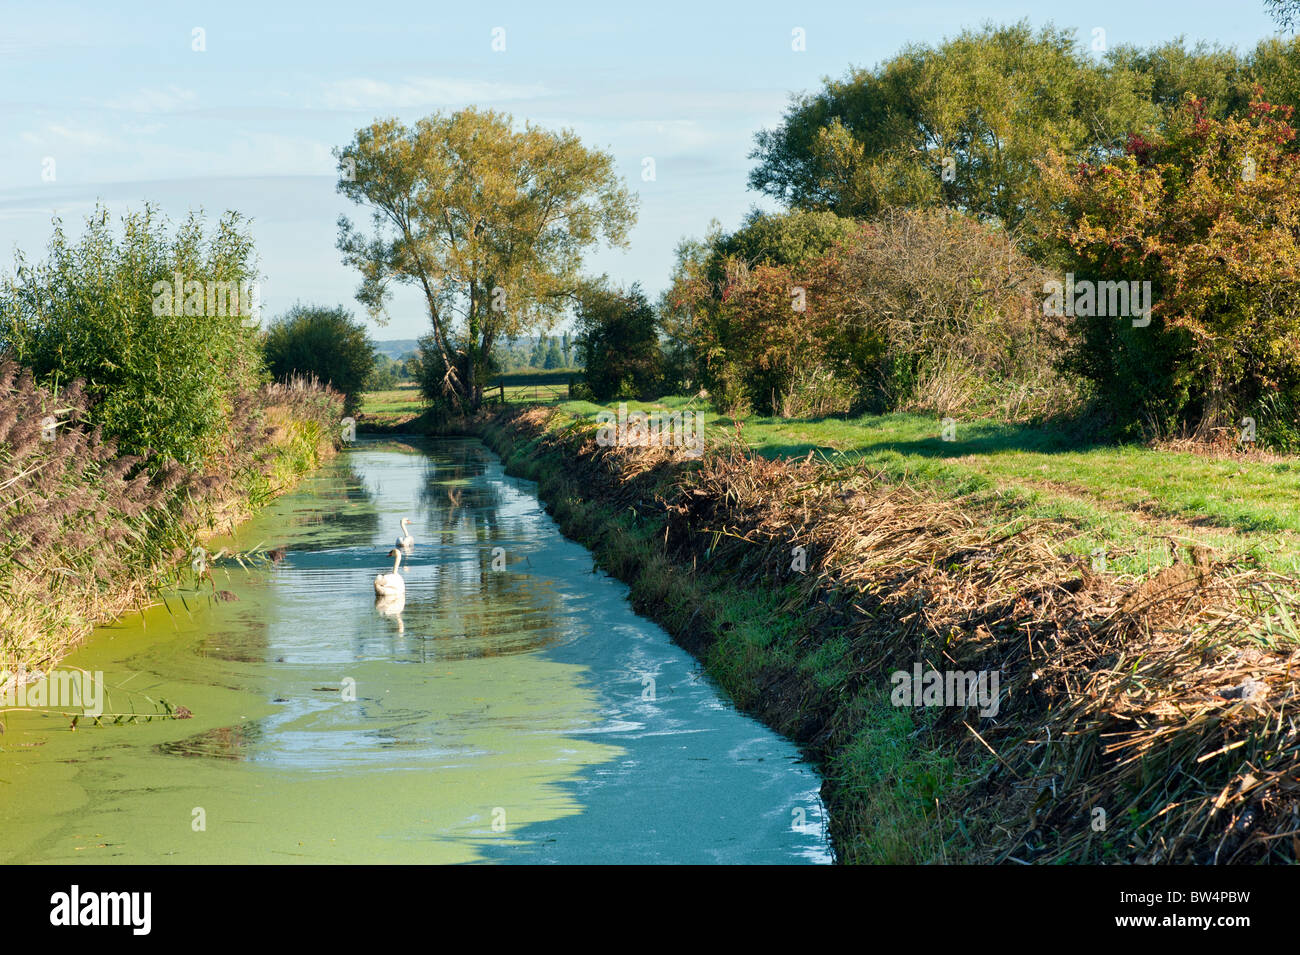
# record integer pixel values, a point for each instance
(395, 348)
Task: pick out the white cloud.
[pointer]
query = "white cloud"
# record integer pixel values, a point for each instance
(364, 93)
(54, 134)
(156, 100)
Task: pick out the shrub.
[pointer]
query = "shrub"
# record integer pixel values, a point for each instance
(86, 531)
(924, 310)
(768, 338)
(1207, 212)
(941, 313)
(618, 342)
(324, 343)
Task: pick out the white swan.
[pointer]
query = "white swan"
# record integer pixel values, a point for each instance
(405, 540)
(390, 585)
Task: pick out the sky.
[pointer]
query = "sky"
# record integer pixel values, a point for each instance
(116, 103)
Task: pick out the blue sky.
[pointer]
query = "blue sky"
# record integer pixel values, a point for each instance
(128, 111)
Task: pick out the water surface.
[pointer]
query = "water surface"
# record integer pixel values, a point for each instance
(516, 710)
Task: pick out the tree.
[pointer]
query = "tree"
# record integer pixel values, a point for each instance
(383, 373)
(554, 357)
(617, 341)
(705, 335)
(1165, 75)
(513, 356)
(964, 123)
(324, 342)
(537, 357)
(1285, 13)
(489, 222)
(682, 309)
(783, 238)
(764, 342)
(1274, 65)
(1207, 212)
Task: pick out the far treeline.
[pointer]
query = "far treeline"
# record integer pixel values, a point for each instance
(330, 344)
(1012, 223)
(1015, 223)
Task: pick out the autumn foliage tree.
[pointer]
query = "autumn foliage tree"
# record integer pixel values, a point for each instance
(916, 309)
(487, 220)
(740, 303)
(772, 341)
(1207, 211)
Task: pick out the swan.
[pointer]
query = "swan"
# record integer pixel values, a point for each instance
(405, 540)
(390, 585)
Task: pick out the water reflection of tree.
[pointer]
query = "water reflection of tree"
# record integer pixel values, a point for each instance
(341, 503)
(477, 612)
(456, 497)
(336, 506)
(487, 602)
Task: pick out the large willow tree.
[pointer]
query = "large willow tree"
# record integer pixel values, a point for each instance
(490, 222)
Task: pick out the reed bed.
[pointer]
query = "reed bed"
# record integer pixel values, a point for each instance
(87, 533)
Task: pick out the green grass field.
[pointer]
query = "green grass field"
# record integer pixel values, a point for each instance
(404, 399)
(397, 406)
(1128, 500)
(532, 385)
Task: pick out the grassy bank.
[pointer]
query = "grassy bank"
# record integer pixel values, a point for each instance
(1142, 713)
(1127, 501)
(89, 533)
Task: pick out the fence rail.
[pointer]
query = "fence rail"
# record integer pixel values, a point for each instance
(535, 392)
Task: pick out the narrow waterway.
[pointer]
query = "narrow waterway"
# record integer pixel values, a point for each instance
(515, 710)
